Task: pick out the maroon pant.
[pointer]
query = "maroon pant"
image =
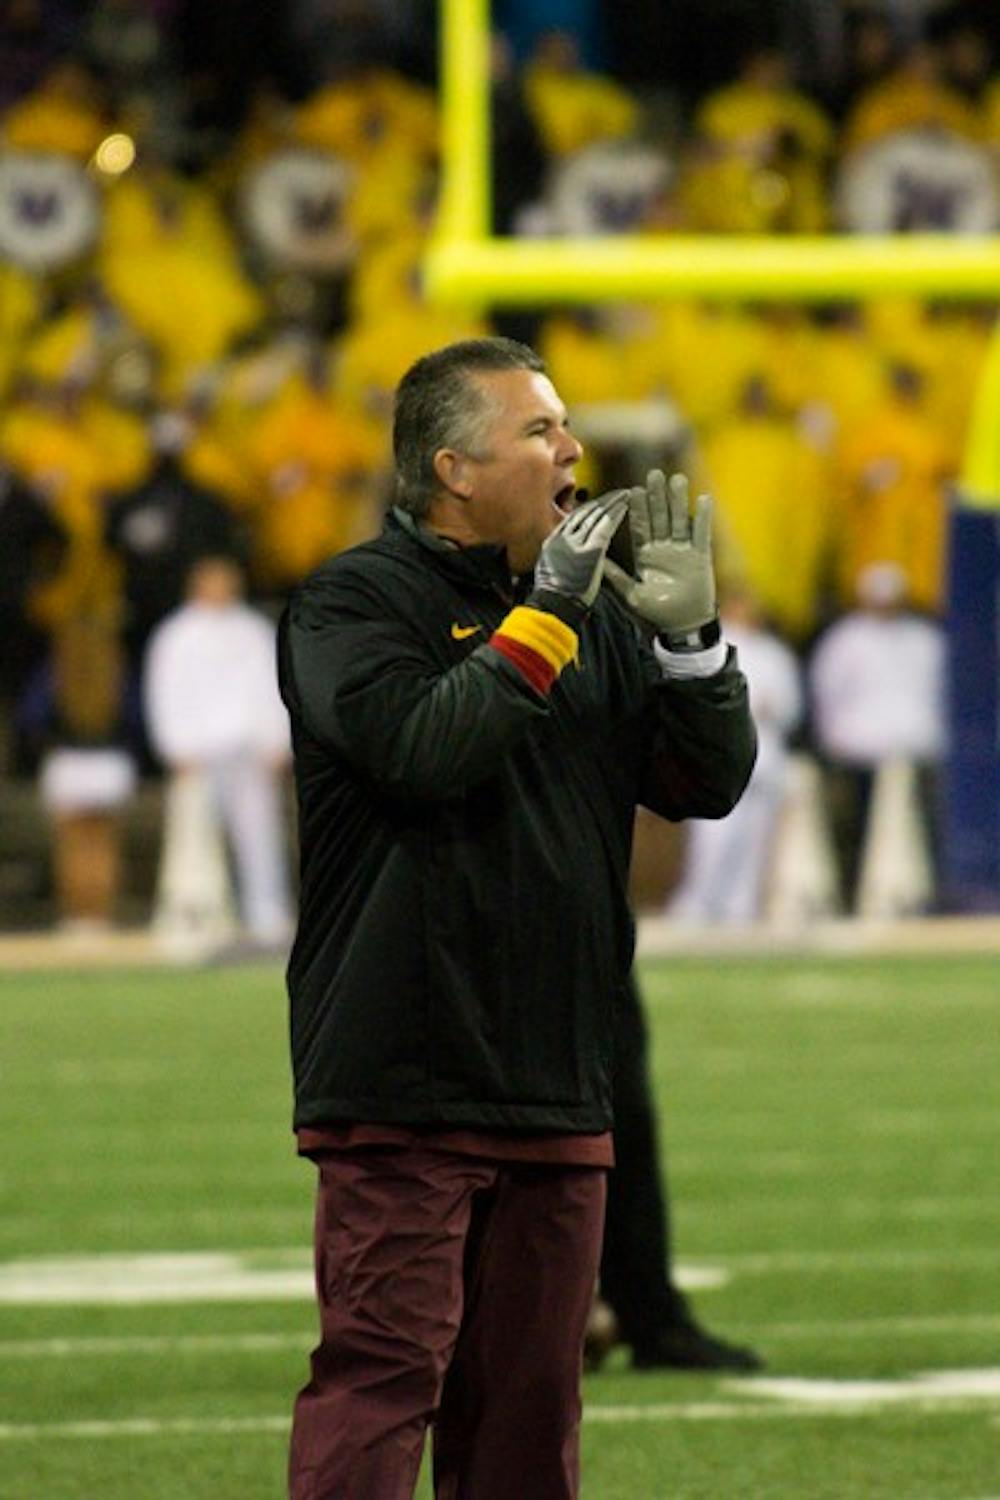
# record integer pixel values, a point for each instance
(452, 1290)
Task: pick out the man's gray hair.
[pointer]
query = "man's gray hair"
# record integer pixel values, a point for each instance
(439, 406)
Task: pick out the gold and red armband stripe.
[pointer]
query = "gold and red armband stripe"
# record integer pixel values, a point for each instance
(538, 644)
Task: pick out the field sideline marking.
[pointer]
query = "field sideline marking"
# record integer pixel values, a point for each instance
(933, 1392)
(286, 1276)
(853, 1328)
(658, 936)
(179, 1343)
(858, 1260)
(248, 1343)
(845, 937)
(122, 1280)
(854, 1206)
(197, 1276)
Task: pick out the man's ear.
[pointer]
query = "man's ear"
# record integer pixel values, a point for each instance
(452, 470)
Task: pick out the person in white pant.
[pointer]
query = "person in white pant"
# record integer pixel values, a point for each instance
(877, 698)
(216, 720)
(726, 861)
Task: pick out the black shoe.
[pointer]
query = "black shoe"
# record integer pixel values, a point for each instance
(685, 1346)
(601, 1337)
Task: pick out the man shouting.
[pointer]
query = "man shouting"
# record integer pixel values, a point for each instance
(479, 700)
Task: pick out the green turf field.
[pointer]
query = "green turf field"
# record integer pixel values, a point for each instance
(831, 1135)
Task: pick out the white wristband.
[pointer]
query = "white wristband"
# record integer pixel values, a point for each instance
(681, 664)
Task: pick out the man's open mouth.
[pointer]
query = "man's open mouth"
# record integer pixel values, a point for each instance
(568, 497)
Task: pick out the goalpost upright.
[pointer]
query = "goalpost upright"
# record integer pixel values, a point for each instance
(467, 264)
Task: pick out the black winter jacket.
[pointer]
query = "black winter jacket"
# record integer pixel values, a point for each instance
(465, 841)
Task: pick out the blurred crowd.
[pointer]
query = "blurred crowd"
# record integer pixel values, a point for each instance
(212, 221)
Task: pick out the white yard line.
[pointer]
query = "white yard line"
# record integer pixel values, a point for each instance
(861, 1327)
(932, 1385)
(129, 1344)
(12, 1432)
(856, 1207)
(860, 1260)
(113, 1346)
(123, 1280)
(199, 1276)
(839, 938)
(286, 1275)
(846, 937)
(944, 1391)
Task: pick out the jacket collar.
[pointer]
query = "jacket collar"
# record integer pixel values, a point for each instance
(484, 564)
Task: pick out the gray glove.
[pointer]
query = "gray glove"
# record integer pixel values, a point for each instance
(674, 587)
(570, 561)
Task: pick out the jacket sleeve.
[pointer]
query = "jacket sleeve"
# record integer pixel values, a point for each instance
(363, 685)
(702, 746)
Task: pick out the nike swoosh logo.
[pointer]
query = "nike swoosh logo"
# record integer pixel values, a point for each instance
(462, 632)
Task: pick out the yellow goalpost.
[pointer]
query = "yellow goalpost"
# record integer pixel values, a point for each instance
(466, 263)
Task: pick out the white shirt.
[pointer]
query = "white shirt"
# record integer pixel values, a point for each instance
(772, 674)
(211, 686)
(877, 689)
